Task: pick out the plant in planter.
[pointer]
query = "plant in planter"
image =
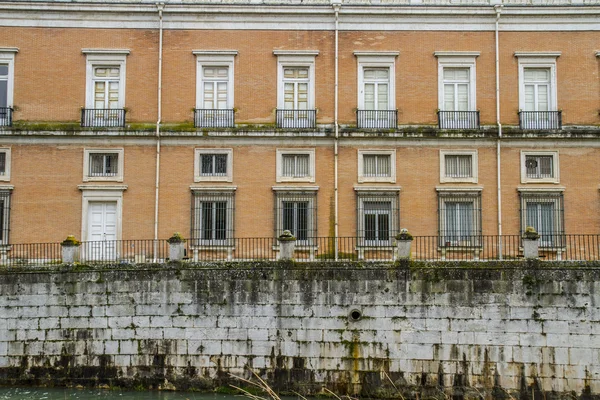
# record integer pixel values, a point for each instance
(404, 235)
(531, 233)
(286, 236)
(176, 238)
(70, 241)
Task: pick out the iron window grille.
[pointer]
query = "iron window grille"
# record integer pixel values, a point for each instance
(544, 211)
(540, 120)
(3, 170)
(103, 165)
(378, 218)
(297, 212)
(6, 116)
(103, 117)
(213, 164)
(377, 119)
(212, 218)
(4, 216)
(458, 119)
(459, 220)
(539, 166)
(214, 118)
(458, 165)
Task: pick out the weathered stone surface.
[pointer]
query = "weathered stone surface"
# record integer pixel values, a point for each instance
(432, 329)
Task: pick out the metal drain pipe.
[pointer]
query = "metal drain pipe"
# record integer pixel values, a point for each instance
(498, 9)
(160, 7)
(337, 4)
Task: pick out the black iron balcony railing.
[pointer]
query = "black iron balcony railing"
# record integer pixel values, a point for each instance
(377, 119)
(458, 119)
(296, 119)
(539, 120)
(6, 116)
(214, 118)
(103, 117)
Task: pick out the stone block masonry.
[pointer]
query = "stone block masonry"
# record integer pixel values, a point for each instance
(501, 330)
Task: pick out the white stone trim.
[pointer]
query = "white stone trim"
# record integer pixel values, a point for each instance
(365, 179)
(379, 59)
(555, 166)
(458, 59)
(195, 188)
(538, 60)
(104, 193)
(459, 188)
(120, 165)
(215, 58)
(100, 57)
(6, 176)
(295, 188)
(377, 188)
(229, 175)
(279, 165)
(474, 166)
(296, 58)
(7, 56)
(526, 189)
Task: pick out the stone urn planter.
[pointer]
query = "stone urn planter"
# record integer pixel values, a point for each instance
(176, 247)
(403, 242)
(531, 243)
(70, 249)
(287, 245)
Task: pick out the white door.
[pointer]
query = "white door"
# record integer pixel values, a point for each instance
(102, 231)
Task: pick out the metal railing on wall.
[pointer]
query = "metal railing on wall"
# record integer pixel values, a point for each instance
(458, 119)
(214, 118)
(424, 248)
(103, 117)
(377, 119)
(540, 120)
(6, 116)
(296, 119)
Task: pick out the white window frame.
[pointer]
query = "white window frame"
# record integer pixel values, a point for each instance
(377, 194)
(363, 179)
(383, 59)
(103, 57)
(86, 165)
(291, 59)
(279, 165)
(460, 195)
(474, 166)
(295, 195)
(7, 56)
(213, 194)
(555, 167)
(538, 60)
(214, 58)
(458, 59)
(197, 171)
(6, 176)
(554, 196)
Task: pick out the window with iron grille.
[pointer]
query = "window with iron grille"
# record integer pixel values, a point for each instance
(376, 166)
(544, 211)
(4, 216)
(212, 218)
(539, 167)
(458, 166)
(213, 165)
(295, 165)
(459, 218)
(378, 218)
(4, 164)
(103, 165)
(296, 211)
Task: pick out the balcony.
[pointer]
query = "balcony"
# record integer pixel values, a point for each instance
(377, 119)
(540, 120)
(458, 119)
(6, 116)
(296, 119)
(214, 118)
(103, 117)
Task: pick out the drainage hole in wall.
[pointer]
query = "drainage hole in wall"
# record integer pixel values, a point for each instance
(355, 315)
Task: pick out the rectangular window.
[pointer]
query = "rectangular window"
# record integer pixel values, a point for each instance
(103, 165)
(537, 89)
(377, 88)
(459, 218)
(7, 62)
(296, 211)
(213, 165)
(295, 88)
(376, 166)
(106, 87)
(539, 167)
(377, 218)
(544, 211)
(215, 81)
(4, 216)
(212, 218)
(456, 89)
(458, 166)
(295, 165)
(4, 164)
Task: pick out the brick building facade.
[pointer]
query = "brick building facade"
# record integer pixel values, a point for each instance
(124, 120)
